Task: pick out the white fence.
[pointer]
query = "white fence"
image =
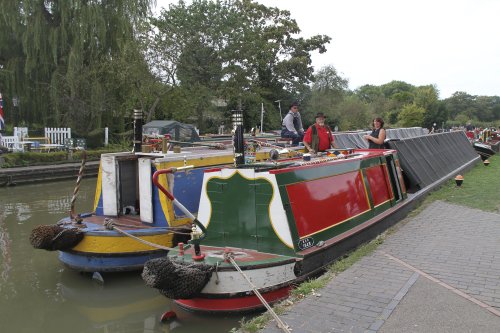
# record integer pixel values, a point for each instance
(12, 143)
(58, 135)
(21, 132)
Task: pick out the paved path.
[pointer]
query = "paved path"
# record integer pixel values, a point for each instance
(440, 272)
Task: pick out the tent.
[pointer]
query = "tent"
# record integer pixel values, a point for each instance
(178, 131)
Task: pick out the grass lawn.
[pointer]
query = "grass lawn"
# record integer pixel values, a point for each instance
(480, 188)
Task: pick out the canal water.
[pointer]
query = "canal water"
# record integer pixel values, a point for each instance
(40, 294)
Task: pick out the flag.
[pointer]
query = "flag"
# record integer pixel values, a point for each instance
(2, 121)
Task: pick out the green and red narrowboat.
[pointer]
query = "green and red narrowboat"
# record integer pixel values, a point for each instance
(279, 223)
(264, 227)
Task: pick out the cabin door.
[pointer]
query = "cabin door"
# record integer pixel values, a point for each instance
(394, 178)
(128, 187)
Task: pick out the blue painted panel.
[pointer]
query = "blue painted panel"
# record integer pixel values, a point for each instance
(159, 218)
(92, 263)
(187, 189)
(99, 211)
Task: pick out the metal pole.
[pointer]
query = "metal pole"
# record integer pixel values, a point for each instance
(262, 118)
(17, 115)
(279, 107)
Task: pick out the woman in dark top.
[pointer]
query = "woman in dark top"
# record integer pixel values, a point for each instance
(377, 136)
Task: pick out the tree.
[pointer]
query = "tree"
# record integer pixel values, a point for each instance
(242, 48)
(328, 91)
(354, 114)
(412, 115)
(395, 89)
(427, 97)
(67, 54)
(460, 102)
(327, 80)
(369, 93)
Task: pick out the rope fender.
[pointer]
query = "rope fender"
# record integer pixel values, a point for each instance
(175, 279)
(55, 238)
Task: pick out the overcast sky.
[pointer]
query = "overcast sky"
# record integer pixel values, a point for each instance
(453, 44)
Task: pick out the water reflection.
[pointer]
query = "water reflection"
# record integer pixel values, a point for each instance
(38, 294)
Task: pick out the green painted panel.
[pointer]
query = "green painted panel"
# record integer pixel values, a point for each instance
(240, 215)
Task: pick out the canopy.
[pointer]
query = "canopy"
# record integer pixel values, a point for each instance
(178, 131)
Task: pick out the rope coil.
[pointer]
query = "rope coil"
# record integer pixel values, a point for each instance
(110, 225)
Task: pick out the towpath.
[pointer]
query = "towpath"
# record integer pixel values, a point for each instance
(439, 272)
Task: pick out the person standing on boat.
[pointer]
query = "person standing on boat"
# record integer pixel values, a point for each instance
(319, 137)
(377, 136)
(292, 125)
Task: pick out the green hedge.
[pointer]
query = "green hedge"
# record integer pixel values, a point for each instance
(13, 160)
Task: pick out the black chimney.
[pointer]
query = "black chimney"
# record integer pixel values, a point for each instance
(238, 141)
(137, 131)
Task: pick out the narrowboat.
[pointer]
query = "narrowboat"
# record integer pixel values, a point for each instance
(263, 228)
(484, 150)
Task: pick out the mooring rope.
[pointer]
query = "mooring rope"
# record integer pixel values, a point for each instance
(281, 324)
(323, 160)
(77, 187)
(110, 226)
(270, 145)
(170, 229)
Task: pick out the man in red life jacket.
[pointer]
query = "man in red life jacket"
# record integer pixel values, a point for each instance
(319, 137)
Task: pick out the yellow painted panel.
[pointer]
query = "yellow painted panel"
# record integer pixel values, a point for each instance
(98, 188)
(121, 244)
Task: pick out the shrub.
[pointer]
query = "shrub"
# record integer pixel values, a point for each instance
(12, 160)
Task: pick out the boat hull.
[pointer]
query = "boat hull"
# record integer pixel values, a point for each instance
(485, 151)
(312, 212)
(87, 262)
(235, 304)
(104, 250)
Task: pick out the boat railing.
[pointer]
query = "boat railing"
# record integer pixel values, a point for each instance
(196, 237)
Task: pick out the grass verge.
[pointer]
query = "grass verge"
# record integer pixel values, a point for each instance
(479, 189)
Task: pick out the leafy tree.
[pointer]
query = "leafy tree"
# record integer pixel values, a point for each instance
(397, 90)
(369, 93)
(427, 97)
(328, 80)
(460, 102)
(65, 55)
(327, 93)
(412, 115)
(354, 114)
(241, 48)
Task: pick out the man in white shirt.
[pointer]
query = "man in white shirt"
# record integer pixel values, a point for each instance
(292, 125)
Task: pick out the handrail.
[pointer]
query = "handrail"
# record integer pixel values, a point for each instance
(171, 197)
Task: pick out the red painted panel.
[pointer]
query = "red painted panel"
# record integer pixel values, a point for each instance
(233, 304)
(322, 203)
(378, 179)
